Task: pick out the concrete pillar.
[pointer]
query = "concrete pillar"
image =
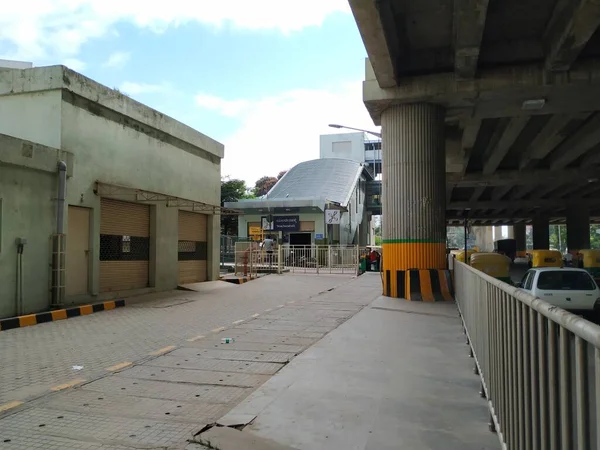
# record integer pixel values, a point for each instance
(414, 202)
(578, 228)
(541, 233)
(498, 233)
(510, 232)
(520, 235)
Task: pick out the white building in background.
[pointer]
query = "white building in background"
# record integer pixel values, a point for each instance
(359, 147)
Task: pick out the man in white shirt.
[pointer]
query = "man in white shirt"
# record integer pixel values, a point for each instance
(569, 258)
(268, 245)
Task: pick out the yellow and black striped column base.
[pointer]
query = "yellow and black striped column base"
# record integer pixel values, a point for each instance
(427, 285)
(58, 314)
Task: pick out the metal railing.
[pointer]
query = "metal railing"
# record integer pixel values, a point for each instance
(247, 259)
(539, 365)
(326, 259)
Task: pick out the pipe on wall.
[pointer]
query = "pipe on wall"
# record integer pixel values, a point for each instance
(62, 191)
(58, 242)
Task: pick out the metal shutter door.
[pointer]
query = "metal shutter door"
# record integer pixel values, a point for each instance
(124, 245)
(192, 251)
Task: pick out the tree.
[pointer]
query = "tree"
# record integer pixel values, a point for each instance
(232, 190)
(264, 185)
(281, 174)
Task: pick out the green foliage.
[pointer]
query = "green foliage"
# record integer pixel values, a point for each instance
(232, 190)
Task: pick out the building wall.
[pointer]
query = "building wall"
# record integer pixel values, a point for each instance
(343, 145)
(27, 210)
(135, 159)
(143, 150)
(34, 116)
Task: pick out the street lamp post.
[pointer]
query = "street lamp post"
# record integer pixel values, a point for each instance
(374, 133)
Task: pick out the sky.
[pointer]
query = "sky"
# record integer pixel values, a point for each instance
(264, 77)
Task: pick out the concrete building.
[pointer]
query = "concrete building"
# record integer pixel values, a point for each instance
(140, 210)
(318, 201)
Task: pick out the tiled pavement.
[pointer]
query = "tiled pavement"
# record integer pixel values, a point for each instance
(161, 400)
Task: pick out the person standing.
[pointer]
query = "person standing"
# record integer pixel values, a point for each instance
(268, 246)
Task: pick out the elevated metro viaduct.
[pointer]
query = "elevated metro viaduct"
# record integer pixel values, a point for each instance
(490, 111)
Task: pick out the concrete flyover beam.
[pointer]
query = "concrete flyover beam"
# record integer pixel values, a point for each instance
(496, 92)
(520, 204)
(510, 131)
(585, 138)
(530, 178)
(469, 23)
(549, 138)
(571, 27)
(368, 19)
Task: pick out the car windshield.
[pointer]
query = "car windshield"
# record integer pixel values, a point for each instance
(556, 280)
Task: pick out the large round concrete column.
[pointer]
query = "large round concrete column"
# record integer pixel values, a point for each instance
(578, 228)
(414, 196)
(498, 233)
(541, 233)
(520, 235)
(510, 232)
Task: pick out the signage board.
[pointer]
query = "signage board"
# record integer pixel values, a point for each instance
(319, 236)
(255, 231)
(265, 224)
(286, 223)
(333, 216)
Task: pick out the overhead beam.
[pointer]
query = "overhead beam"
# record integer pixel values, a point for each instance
(469, 23)
(496, 92)
(520, 204)
(510, 134)
(547, 139)
(366, 15)
(572, 25)
(529, 178)
(586, 137)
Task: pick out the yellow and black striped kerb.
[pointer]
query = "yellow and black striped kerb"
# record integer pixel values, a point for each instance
(59, 314)
(428, 285)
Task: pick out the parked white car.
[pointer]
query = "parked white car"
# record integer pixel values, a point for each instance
(565, 287)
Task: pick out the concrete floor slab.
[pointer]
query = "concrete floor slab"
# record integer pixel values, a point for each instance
(188, 361)
(224, 438)
(395, 376)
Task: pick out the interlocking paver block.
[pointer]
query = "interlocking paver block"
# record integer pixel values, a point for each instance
(85, 401)
(103, 340)
(42, 422)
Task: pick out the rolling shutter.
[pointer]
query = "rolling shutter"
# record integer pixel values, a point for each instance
(192, 247)
(124, 245)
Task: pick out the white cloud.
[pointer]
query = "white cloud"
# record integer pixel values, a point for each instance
(278, 132)
(131, 88)
(60, 27)
(117, 59)
(75, 64)
(229, 108)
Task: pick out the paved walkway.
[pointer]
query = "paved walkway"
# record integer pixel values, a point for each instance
(155, 372)
(395, 376)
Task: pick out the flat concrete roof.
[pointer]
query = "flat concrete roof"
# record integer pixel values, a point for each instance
(39, 79)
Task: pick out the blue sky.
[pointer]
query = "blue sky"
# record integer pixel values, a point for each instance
(266, 84)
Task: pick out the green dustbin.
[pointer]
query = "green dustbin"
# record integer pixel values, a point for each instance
(363, 264)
